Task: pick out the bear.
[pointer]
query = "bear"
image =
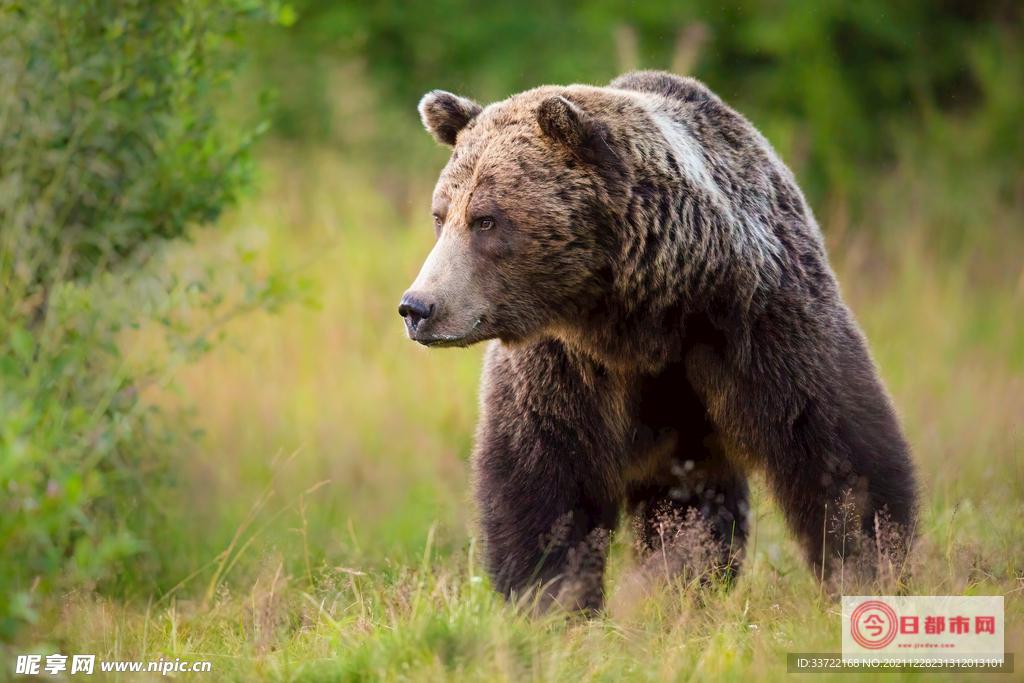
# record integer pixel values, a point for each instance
(662, 322)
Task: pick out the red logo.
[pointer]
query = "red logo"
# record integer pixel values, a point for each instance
(873, 624)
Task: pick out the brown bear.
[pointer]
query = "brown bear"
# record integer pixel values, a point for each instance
(664, 320)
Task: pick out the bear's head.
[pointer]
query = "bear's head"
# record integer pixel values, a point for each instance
(520, 215)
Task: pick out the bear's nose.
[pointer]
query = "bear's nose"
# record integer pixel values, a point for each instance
(415, 308)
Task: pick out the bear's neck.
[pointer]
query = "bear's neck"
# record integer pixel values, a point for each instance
(680, 251)
(661, 291)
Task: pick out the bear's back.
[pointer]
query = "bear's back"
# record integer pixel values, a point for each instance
(681, 88)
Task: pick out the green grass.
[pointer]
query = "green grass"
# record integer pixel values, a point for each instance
(324, 529)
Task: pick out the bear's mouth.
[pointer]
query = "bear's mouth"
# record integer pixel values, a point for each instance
(440, 341)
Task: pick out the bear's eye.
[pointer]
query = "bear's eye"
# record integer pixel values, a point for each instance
(438, 223)
(485, 223)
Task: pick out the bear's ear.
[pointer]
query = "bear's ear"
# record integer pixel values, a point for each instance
(444, 114)
(564, 122)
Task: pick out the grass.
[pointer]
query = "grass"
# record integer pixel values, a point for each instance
(324, 529)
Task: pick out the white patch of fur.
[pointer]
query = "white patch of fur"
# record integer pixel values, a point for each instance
(685, 149)
(756, 237)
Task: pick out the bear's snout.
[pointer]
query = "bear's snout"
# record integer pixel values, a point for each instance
(415, 308)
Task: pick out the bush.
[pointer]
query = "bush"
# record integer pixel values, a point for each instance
(110, 143)
(110, 139)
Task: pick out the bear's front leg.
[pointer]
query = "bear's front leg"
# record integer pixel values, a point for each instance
(811, 410)
(548, 469)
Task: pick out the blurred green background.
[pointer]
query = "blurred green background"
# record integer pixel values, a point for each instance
(843, 89)
(215, 440)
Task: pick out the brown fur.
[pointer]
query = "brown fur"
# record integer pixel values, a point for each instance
(666, 319)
